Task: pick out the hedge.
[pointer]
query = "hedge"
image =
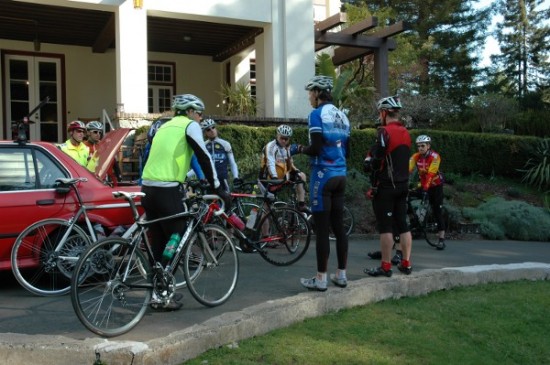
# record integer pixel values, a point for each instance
(462, 152)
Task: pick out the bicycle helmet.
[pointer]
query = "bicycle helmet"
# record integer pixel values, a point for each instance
(187, 101)
(207, 123)
(284, 130)
(423, 139)
(76, 124)
(389, 103)
(320, 83)
(94, 125)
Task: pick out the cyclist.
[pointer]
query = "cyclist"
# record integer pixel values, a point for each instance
(277, 163)
(427, 162)
(329, 132)
(221, 152)
(164, 174)
(94, 133)
(75, 146)
(388, 158)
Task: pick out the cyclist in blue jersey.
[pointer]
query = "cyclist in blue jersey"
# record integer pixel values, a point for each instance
(164, 173)
(221, 152)
(329, 132)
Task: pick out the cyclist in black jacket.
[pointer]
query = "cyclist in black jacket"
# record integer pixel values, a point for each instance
(388, 159)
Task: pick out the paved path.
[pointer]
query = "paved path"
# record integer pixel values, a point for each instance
(259, 282)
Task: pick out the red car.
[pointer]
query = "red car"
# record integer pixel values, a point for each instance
(28, 171)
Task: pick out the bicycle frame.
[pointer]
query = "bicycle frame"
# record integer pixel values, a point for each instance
(82, 214)
(138, 230)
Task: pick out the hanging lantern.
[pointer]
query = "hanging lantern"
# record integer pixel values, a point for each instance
(138, 4)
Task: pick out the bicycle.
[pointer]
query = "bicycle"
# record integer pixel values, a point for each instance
(44, 254)
(288, 234)
(116, 279)
(422, 221)
(289, 198)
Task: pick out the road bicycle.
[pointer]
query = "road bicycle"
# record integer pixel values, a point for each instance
(115, 279)
(422, 221)
(287, 196)
(44, 254)
(280, 234)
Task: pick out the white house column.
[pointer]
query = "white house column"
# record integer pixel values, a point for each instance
(287, 55)
(131, 57)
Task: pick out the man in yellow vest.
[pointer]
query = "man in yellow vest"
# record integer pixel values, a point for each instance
(75, 146)
(164, 173)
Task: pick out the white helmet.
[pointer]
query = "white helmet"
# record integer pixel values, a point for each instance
(187, 101)
(284, 130)
(320, 82)
(389, 103)
(207, 123)
(423, 139)
(94, 125)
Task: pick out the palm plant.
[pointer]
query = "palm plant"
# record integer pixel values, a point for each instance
(537, 168)
(238, 100)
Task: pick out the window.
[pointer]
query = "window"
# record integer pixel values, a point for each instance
(27, 169)
(161, 76)
(253, 78)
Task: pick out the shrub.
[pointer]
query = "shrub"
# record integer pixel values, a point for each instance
(537, 168)
(518, 220)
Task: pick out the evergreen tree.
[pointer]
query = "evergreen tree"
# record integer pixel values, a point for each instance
(523, 37)
(447, 34)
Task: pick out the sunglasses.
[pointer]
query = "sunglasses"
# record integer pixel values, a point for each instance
(209, 129)
(96, 132)
(283, 138)
(79, 130)
(421, 145)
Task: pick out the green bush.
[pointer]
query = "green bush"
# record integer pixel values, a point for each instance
(462, 153)
(537, 168)
(517, 220)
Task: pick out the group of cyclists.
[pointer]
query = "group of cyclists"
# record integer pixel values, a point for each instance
(185, 140)
(389, 164)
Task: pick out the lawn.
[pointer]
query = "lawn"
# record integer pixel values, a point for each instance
(503, 323)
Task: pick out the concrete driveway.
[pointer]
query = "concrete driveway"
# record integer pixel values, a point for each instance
(45, 330)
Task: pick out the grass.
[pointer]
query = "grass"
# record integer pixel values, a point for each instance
(504, 323)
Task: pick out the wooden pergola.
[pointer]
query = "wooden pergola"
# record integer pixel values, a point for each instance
(352, 44)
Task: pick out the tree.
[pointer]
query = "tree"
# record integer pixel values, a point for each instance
(523, 37)
(446, 34)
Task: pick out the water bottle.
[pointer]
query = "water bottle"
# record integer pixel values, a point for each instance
(252, 218)
(99, 231)
(236, 222)
(171, 246)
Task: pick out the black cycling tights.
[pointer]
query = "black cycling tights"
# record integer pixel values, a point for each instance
(332, 216)
(435, 195)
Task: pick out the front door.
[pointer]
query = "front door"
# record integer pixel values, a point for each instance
(31, 79)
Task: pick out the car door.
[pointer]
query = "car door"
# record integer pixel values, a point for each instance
(27, 194)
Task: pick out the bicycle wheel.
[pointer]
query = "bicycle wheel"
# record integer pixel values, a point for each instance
(211, 273)
(288, 238)
(39, 265)
(111, 287)
(429, 227)
(348, 221)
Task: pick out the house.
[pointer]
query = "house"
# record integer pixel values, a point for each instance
(125, 59)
